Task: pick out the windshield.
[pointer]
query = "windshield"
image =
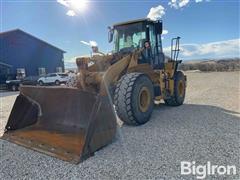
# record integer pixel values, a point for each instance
(129, 37)
(63, 75)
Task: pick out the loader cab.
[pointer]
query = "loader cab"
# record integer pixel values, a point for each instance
(132, 35)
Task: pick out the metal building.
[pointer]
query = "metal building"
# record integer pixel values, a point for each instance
(23, 53)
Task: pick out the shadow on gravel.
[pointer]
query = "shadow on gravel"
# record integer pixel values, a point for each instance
(193, 112)
(200, 118)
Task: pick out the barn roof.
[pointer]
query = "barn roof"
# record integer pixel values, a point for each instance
(5, 64)
(31, 36)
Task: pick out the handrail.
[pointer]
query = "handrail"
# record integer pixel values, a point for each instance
(176, 49)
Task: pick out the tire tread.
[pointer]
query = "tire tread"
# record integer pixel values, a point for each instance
(122, 98)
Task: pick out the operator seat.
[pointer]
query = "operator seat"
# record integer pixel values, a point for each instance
(143, 59)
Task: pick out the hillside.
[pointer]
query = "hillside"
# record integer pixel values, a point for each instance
(230, 64)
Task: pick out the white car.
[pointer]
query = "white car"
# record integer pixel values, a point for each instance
(53, 78)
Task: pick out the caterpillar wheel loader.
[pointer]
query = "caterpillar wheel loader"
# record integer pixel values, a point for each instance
(71, 123)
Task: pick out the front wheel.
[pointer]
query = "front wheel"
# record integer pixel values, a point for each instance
(133, 98)
(57, 82)
(179, 90)
(41, 83)
(14, 87)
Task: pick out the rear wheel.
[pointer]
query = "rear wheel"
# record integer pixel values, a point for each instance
(133, 98)
(179, 90)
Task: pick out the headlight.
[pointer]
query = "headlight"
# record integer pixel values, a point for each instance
(7, 82)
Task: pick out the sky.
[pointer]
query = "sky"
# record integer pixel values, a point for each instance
(208, 28)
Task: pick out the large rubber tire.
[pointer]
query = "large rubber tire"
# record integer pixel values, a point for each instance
(134, 98)
(179, 90)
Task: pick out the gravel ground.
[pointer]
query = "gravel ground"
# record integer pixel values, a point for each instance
(205, 128)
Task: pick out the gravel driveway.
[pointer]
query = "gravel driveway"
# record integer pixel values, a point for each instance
(205, 128)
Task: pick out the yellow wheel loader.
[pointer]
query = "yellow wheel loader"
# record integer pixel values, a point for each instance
(71, 123)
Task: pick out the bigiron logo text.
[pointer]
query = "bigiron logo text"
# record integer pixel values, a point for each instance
(202, 171)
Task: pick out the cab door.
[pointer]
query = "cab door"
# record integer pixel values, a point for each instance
(52, 78)
(46, 78)
(156, 47)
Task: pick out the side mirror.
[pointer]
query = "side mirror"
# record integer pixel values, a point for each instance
(158, 27)
(110, 34)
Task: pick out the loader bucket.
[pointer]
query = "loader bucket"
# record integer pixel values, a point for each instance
(66, 123)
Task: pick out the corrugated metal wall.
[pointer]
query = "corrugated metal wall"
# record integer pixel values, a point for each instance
(23, 51)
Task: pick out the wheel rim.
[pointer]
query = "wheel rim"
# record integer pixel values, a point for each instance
(181, 88)
(57, 82)
(144, 99)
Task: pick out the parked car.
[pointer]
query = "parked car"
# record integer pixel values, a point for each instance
(13, 85)
(53, 78)
(5, 77)
(30, 80)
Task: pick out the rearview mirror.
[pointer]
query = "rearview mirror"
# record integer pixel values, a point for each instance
(110, 34)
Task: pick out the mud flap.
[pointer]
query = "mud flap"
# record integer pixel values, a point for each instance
(62, 122)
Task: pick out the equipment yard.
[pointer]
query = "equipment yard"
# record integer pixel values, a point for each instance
(205, 128)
